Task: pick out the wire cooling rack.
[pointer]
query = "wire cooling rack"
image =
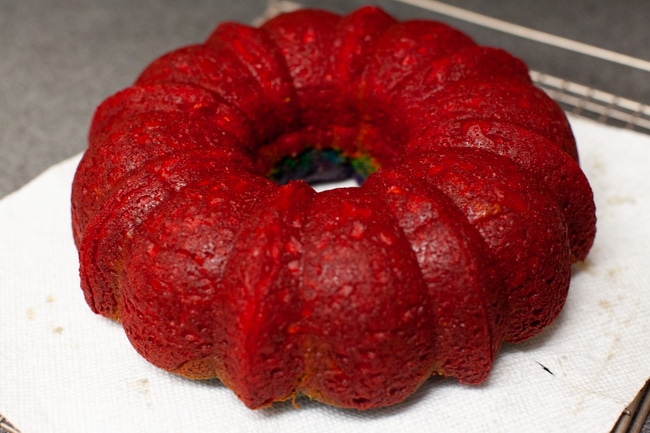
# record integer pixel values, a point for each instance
(595, 104)
(6, 427)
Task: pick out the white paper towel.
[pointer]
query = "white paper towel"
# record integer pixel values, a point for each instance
(64, 369)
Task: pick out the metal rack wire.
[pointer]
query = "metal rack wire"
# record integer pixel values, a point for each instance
(595, 104)
(6, 427)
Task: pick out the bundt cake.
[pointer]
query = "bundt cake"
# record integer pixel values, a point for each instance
(197, 228)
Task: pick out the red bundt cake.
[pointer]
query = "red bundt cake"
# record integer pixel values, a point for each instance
(197, 228)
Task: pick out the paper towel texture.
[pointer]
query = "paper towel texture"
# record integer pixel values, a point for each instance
(64, 369)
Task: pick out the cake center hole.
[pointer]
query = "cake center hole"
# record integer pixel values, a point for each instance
(324, 169)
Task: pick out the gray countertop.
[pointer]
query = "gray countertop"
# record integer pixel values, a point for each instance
(61, 59)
